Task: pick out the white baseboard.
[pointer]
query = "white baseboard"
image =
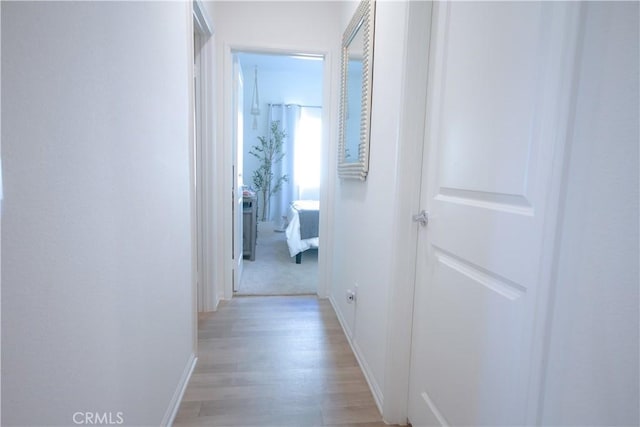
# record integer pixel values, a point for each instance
(368, 375)
(345, 326)
(174, 404)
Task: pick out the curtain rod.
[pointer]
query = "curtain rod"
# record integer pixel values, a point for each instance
(290, 105)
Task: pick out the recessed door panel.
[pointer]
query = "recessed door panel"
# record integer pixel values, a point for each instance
(474, 319)
(489, 97)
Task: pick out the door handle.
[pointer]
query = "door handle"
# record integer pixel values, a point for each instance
(422, 218)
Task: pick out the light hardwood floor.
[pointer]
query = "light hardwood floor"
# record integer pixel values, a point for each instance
(276, 361)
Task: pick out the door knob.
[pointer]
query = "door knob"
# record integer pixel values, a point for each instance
(422, 218)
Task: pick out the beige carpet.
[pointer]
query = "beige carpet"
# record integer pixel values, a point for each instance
(274, 272)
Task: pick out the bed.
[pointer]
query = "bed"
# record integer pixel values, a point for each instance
(302, 228)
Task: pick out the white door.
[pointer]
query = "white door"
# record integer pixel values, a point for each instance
(496, 107)
(236, 170)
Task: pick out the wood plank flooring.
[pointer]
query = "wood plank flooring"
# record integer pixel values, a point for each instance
(276, 361)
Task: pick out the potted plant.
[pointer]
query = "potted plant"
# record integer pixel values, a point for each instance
(269, 153)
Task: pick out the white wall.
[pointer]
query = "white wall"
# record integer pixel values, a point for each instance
(592, 376)
(364, 211)
(97, 298)
(272, 26)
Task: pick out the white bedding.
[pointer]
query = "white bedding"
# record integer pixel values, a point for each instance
(295, 243)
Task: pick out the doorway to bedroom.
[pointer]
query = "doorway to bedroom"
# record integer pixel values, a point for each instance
(278, 138)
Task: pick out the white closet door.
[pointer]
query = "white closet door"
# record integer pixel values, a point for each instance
(496, 109)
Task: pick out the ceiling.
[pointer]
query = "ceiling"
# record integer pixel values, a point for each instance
(273, 62)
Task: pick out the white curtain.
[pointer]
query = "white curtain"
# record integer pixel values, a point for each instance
(288, 116)
(301, 161)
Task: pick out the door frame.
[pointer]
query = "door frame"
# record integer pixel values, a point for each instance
(204, 159)
(404, 246)
(224, 175)
(405, 243)
(237, 216)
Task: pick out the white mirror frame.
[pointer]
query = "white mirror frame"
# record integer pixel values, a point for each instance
(365, 14)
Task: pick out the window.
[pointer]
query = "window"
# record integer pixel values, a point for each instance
(307, 152)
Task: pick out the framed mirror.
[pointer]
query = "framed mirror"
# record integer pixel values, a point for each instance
(355, 96)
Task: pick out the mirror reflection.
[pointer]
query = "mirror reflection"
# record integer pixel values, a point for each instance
(353, 103)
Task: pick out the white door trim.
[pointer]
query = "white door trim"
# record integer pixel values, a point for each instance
(205, 157)
(224, 173)
(202, 23)
(405, 202)
(192, 183)
(572, 21)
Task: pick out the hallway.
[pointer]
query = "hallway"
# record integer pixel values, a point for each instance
(276, 361)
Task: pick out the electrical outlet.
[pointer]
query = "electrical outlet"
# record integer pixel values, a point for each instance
(351, 296)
